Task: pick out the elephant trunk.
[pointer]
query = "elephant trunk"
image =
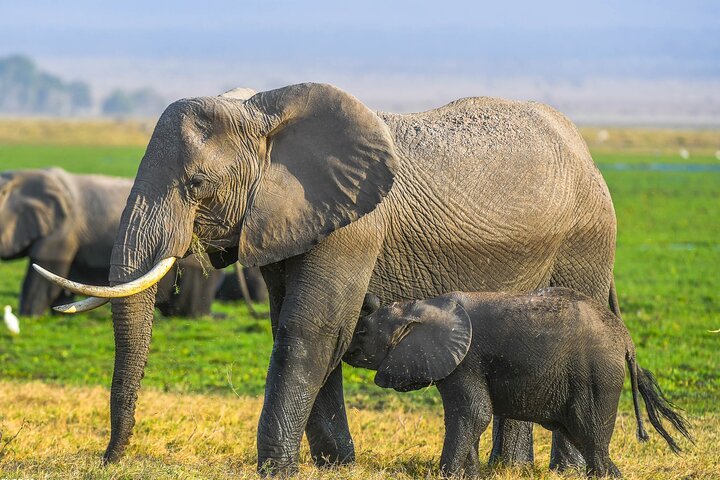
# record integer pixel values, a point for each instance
(138, 247)
(132, 323)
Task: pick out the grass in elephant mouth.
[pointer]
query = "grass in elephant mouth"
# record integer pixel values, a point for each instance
(206, 436)
(198, 249)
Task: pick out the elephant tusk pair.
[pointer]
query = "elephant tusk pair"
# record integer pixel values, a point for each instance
(101, 295)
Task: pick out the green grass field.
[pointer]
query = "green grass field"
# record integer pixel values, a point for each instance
(668, 258)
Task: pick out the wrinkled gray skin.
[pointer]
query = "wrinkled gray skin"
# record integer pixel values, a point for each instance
(67, 224)
(553, 357)
(333, 200)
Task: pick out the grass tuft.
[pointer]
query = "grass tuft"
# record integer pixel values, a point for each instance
(209, 436)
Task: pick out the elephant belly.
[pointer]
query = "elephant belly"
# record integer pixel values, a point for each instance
(414, 267)
(529, 394)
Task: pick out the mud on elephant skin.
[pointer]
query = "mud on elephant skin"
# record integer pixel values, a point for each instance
(554, 357)
(67, 224)
(333, 200)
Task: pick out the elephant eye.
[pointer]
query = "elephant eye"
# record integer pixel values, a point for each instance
(195, 185)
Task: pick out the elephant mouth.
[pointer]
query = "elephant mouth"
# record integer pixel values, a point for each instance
(212, 239)
(356, 358)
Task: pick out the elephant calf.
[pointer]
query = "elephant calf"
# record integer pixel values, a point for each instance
(554, 357)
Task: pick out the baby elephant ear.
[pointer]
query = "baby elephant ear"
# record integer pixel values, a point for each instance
(371, 303)
(433, 345)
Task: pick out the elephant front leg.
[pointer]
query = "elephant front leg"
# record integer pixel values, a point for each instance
(324, 290)
(327, 429)
(468, 411)
(38, 294)
(294, 378)
(299, 366)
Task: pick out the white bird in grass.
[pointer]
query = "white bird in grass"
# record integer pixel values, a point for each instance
(11, 321)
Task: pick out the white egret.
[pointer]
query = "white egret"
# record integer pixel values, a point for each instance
(11, 321)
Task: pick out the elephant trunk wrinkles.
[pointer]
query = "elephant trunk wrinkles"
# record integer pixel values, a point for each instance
(132, 323)
(136, 249)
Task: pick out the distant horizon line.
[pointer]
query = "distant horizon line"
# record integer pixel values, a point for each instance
(709, 123)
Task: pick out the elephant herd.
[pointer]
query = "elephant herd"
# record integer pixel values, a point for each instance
(67, 224)
(335, 204)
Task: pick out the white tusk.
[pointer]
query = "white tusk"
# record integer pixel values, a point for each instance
(118, 291)
(86, 305)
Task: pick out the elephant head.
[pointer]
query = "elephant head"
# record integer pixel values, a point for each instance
(258, 179)
(33, 206)
(411, 344)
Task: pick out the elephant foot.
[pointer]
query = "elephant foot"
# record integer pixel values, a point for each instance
(113, 454)
(333, 453)
(512, 442)
(271, 467)
(564, 455)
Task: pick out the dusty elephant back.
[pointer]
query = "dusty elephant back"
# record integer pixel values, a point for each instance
(490, 131)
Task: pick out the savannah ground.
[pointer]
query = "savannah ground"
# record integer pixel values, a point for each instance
(202, 394)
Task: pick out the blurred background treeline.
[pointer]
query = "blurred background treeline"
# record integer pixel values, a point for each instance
(26, 89)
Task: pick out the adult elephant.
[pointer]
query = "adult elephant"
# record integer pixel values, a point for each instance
(68, 223)
(333, 200)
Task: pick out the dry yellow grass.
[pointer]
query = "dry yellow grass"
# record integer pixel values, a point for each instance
(61, 433)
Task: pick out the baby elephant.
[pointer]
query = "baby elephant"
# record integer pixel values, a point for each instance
(553, 357)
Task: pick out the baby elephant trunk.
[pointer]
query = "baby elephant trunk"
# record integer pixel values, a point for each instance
(657, 405)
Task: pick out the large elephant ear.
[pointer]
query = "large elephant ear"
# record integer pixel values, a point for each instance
(432, 345)
(329, 160)
(39, 205)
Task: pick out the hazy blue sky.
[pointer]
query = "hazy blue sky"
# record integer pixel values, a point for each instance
(393, 54)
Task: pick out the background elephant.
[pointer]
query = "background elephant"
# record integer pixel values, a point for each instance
(68, 223)
(553, 357)
(245, 284)
(333, 200)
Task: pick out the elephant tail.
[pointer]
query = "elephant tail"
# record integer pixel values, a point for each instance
(245, 292)
(633, 368)
(657, 406)
(631, 360)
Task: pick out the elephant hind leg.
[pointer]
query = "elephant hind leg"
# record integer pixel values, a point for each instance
(584, 264)
(512, 442)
